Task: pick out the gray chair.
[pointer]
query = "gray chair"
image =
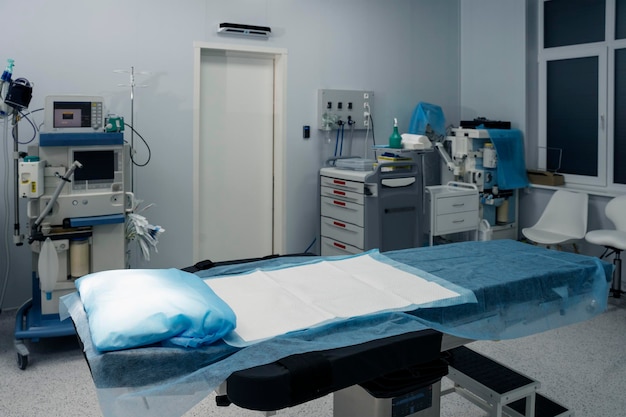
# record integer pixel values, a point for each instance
(613, 240)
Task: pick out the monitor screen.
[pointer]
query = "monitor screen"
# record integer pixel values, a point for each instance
(72, 114)
(97, 165)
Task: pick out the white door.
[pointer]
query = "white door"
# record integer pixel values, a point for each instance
(235, 159)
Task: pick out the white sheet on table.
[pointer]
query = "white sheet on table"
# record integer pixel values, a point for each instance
(274, 302)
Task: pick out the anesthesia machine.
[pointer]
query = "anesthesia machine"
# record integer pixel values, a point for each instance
(74, 181)
(492, 160)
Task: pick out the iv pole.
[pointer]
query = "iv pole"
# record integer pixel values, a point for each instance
(132, 86)
(132, 123)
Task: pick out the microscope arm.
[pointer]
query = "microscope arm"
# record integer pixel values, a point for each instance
(444, 155)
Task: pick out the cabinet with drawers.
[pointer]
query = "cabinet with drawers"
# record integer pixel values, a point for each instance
(342, 211)
(452, 208)
(363, 210)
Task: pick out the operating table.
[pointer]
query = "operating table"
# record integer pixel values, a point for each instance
(519, 290)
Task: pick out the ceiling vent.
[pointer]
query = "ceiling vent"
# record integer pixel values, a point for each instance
(244, 30)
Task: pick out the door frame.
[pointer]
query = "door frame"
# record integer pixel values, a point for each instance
(279, 55)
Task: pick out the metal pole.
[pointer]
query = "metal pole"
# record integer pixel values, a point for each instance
(132, 124)
(17, 237)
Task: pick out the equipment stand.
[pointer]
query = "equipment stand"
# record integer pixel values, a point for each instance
(31, 324)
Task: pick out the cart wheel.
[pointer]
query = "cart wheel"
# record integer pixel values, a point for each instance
(22, 361)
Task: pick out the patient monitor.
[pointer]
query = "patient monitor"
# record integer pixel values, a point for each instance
(74, 114)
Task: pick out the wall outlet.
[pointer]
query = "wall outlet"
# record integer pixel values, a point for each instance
(334, 106)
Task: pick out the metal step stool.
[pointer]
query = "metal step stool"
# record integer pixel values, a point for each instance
(544, 407)
(496, 388)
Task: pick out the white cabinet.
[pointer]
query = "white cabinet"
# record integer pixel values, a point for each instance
(452, 208)
(342, 211)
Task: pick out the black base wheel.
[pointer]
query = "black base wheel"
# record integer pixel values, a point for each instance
(22, 361)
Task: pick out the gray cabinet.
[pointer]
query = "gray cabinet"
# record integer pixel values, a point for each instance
(363, 210)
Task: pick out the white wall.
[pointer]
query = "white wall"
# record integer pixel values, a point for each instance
(493, 60)
(406, 51)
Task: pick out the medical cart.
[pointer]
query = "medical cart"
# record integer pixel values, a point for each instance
(368, 209)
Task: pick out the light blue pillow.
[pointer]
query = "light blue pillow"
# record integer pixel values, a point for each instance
(135, 307)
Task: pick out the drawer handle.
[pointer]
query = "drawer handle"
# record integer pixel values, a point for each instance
(339, 203)
(338, 182)
(458, 221)
(339, 245)
(339, 192)
(458, 205)
(339, 224)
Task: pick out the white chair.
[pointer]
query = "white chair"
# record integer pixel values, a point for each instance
(564, 220)
(614, 240)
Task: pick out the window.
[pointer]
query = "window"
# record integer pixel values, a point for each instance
(572, 112)
(573, 22)
(619, 142)
(582, 90)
